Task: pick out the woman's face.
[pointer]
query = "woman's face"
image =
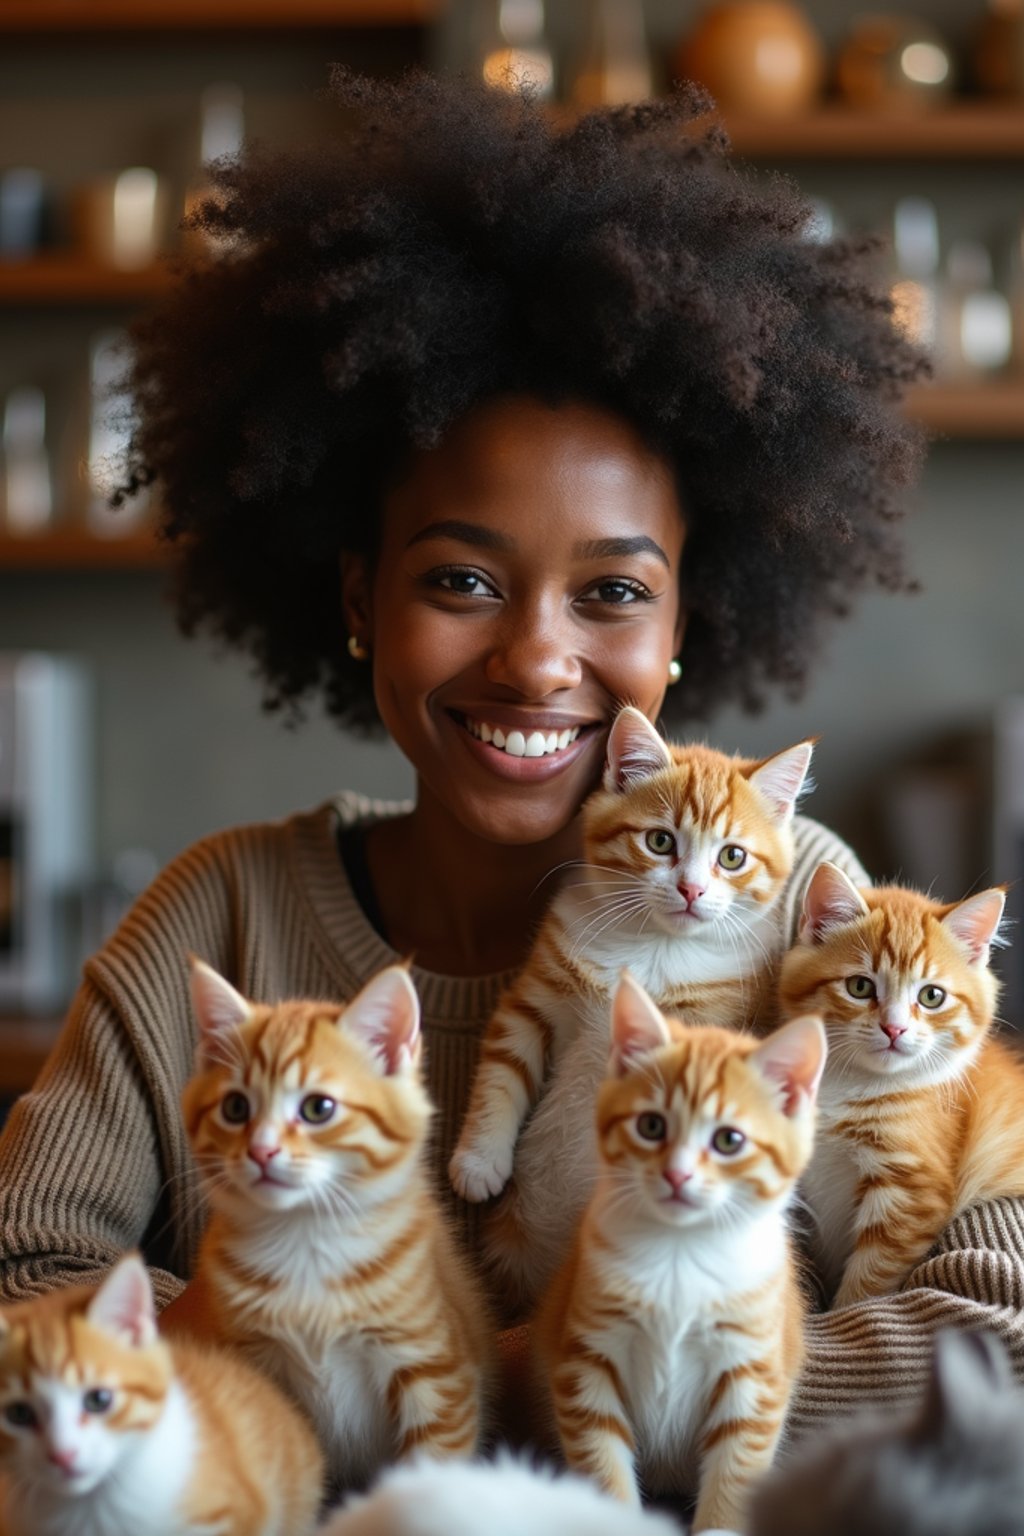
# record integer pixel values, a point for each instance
(527, 586)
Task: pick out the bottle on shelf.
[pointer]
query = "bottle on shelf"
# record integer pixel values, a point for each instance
(613, 64)
(221, 137)
(22, 213)
(514, 49)
(120, 219)
(976, 336)
(27, 487)
(915, 238)
(111, 420)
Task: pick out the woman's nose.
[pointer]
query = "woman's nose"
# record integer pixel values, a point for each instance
(535, 654)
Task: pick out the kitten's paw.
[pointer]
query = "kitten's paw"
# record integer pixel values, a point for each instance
(479, 1174)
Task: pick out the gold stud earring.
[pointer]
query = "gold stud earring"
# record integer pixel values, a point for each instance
(675, 670)
(357, 650)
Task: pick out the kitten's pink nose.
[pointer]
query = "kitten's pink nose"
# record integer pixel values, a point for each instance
(893, 1031)
(66, 1460)
(676, 1178)
(690, 891)
(261, 1154)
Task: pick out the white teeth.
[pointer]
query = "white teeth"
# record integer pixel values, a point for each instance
(518, 743)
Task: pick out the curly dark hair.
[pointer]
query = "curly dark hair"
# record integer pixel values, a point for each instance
(455, 244)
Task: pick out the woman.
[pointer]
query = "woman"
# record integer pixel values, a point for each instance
(478, 429)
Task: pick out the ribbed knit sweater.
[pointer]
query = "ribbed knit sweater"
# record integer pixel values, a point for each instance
(94, 1160)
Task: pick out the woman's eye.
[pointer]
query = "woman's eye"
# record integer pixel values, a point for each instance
(20, 1415)
(732, 856)
(463, 582)
(931, 996)
(617, 592)
(660, 842)
(98, 1400)
(234, 1107)
(728, 1140)
(316, 1108)
(860, 987)
(651, 1126)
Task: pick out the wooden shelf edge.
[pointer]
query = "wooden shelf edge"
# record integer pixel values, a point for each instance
(58, 277)
(24, 1046)
(963, 130)
(47, 16)
(79, 550)
(993, 410)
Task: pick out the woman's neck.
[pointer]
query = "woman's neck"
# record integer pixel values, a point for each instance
(455, 903)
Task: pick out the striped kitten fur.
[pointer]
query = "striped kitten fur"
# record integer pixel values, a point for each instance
(105, 1428)
(326, 1257)
(921, 1108)
(686, 854)
(672, 1335)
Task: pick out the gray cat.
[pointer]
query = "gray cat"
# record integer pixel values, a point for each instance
(954, 1468)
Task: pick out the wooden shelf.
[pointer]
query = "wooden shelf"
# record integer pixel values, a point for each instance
(24, 1046)
(76, 549)
(966, 130)
(65, 278)
(992, 410)
(208, 15)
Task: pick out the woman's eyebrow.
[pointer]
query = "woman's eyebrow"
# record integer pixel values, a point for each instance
(466, 533)
(601, 549)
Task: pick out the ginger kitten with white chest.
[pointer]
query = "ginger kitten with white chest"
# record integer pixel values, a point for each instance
(327, 1259)
(921, 1107)
(105, 1428)
(686, 856)
(672, 1335)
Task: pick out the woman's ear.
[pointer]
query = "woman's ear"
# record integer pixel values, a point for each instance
(356, 596)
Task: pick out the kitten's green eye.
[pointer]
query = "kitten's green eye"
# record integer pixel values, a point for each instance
(931, 996)
(732, 856)
(99, 1400)
(860, 987)
(235, 1108)
(317, 1109)
(21, 1415)
(728, 1140)
(651, 1126)
(660, 842)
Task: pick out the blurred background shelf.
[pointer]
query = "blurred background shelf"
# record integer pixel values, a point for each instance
(965, 130)
(73, 550)
(66, 278)
(27, 16)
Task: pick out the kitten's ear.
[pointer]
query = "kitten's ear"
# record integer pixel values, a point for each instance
(124, 1303)
(218, 1007)
(637, 1025)
(831, 899)
(975, 922)
(386, 1016)
(969, 1369)
(635, 751)
(780, 779)
(794, 1058)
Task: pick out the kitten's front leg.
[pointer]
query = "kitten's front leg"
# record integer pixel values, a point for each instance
(436, 1406)
(897, 1220)
(739, 1443)
(507, 1084)
(592, 1426)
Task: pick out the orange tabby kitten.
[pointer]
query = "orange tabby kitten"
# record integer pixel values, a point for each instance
(922, 1110)
(326, 1256)
(672, 1335)
(687, 852)
(106, 1428)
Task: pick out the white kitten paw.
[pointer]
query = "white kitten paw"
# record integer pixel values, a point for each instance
(479, 1174)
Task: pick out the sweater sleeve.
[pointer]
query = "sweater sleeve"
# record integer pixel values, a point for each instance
(80, 1173)
(812, 845)
(879, 1351)
(93, 1160)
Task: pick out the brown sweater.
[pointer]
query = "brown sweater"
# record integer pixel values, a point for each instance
(94, 1159)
